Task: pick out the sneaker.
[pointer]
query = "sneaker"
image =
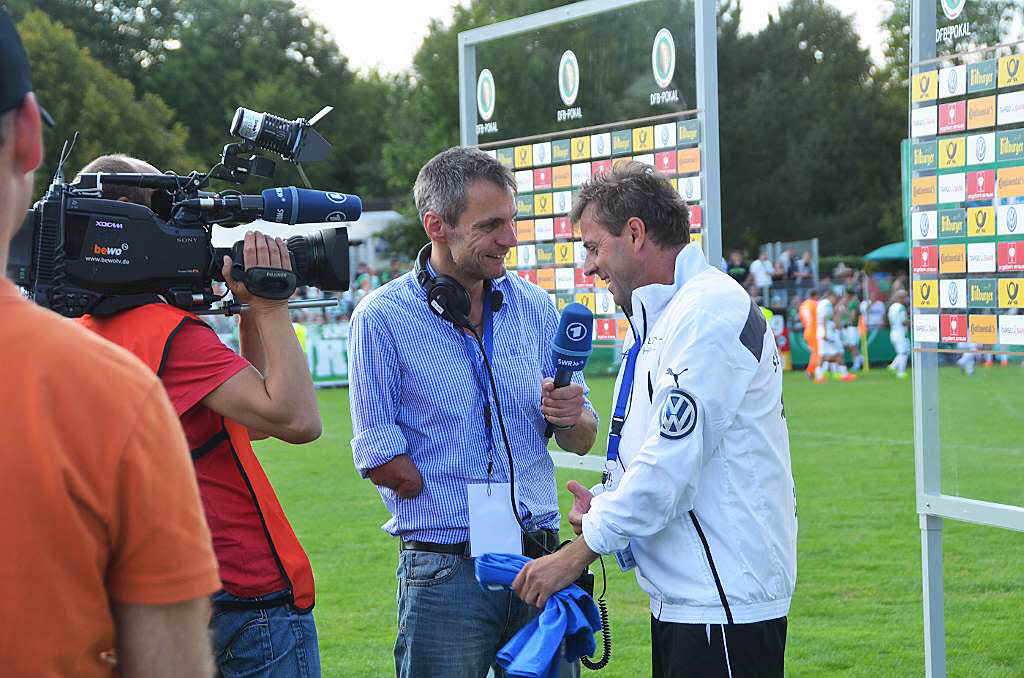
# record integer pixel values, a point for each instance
(853, 377)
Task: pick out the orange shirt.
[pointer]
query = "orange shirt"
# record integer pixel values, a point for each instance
(808, 317)
(99, 497)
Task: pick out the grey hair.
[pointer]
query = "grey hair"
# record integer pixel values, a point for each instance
(441, 184)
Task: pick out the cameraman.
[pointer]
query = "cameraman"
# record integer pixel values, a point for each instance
(104, 544)
(224, 400)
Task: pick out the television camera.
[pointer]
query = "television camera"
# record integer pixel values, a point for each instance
(79, 253)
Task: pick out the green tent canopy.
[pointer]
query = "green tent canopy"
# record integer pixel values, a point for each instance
(892, 251)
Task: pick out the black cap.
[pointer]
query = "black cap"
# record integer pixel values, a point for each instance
(15, 81)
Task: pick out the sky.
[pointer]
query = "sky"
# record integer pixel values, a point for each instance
(376, 34)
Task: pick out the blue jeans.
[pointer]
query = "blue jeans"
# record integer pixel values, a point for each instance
(273, 642)
(448, 627)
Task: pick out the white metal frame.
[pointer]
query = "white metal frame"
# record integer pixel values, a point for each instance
(705, 16)
(933, 506)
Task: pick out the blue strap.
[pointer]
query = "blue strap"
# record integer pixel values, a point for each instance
(621, 401)
(480, 370)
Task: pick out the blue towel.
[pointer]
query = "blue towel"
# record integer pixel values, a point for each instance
(569, 615)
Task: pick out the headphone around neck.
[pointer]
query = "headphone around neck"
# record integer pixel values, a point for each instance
(446, 296)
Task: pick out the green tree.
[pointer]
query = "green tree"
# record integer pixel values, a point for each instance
(809, 146)
(83, 96)
(268, 55)
(127, 36)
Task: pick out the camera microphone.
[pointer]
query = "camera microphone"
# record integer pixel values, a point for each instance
(285, 205)
(572, 345)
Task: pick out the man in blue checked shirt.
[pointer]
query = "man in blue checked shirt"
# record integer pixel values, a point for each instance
(428, 424)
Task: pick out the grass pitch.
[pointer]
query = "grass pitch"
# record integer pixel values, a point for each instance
(857, 607)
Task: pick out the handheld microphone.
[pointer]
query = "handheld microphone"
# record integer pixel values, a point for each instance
(285, 205)
(572, 346)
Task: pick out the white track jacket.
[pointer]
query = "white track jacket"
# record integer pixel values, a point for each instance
(705, 486)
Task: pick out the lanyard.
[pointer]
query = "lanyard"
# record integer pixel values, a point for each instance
(480, 370)
(621, 401)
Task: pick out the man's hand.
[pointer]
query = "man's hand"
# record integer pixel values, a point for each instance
(265, 252)
(400, 474)
(561, 406)
(580, 505)
(541, 578)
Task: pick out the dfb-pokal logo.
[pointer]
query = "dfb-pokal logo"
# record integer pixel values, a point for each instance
(952, 8)
(663, 58)
(679, 416)
(568, 77)
(485, 94)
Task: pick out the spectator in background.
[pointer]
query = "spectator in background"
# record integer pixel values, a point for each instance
(366, 272)
(761, 271)
(898, 334)
(784, 264)
(874, 312)
(364, 288)
(849, 328)
(737, 267)
(395, 271)
(803, 271)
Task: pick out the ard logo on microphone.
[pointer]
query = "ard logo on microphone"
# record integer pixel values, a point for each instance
(576, 331)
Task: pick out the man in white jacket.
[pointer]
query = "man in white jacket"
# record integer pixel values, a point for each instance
(698, 493)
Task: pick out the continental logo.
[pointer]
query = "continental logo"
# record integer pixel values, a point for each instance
(952, 223)
(923, 191)
(1010, 145)
(561, 176)
(952, 152)
(982, 329)
(1011, 182)
(982, 221)
(688, 160)
(924, 87)
(981, 112)
(525, 231)
(925, 156)
(952, 258)
(981, 76)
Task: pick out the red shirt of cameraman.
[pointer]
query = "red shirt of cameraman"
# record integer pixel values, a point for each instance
(197, 364)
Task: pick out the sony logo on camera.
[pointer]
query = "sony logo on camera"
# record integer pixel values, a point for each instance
(109, 224)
